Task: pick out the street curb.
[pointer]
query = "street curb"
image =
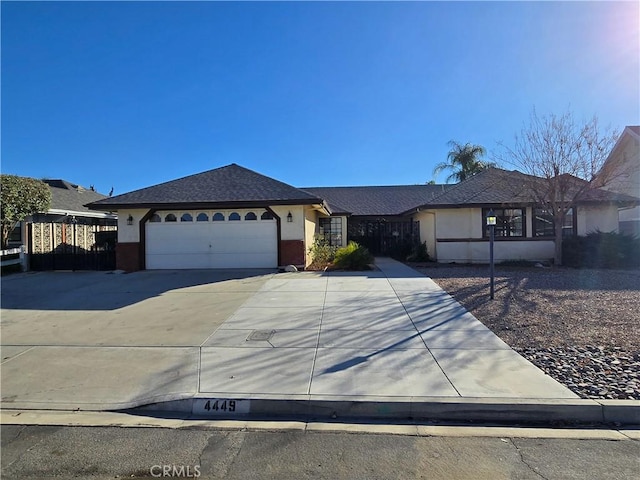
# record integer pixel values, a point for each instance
(404, 428)
(492, 410)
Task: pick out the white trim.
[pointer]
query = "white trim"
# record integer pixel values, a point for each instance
(57, 211)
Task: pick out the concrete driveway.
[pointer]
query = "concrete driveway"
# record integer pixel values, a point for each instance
(107, 341)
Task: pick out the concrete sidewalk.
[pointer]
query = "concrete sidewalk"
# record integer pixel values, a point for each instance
(384, 343)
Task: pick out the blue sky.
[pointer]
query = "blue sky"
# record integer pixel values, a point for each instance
(133, 94)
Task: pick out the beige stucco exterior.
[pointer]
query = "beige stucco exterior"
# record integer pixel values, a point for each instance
(293, 230)
(310, 228)
(455, 234)
(621, 173)
(601, 217)
(302, 227)
(478, 252)
(130, 233)
(427, 221)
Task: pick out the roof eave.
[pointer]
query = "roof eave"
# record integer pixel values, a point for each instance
(196, 205)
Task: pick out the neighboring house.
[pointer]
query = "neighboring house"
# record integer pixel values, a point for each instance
(69, 236)
(232, 217)
(621, 173)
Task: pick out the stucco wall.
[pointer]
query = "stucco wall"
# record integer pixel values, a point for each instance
(458, 232)
(130, 233)
(592, 218)
(310, 221)
(428, 232)
(623, 167)
(478, 252)
(459, 223)
(294, 230)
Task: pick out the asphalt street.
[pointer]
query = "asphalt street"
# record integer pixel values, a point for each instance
(40, 452)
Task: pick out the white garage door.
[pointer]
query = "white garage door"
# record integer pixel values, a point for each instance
(205, 239)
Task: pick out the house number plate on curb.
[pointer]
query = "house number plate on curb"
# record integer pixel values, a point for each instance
(221, 406)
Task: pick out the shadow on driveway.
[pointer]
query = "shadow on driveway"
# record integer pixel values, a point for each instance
(108, 291)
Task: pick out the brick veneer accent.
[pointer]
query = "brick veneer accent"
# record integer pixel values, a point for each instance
(292, 252)
(128, 256)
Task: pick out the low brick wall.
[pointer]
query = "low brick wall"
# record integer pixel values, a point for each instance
(128, 256)
(292, 253)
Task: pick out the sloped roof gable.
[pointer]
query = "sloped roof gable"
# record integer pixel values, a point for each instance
(230, 184)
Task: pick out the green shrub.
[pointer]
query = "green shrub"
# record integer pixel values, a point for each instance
(321, 252)
(353, 257)
(419, 253)
(601, 250)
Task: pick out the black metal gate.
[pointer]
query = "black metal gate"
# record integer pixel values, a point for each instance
(384, 236)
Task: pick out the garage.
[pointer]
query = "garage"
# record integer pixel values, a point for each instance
(211, 239)
(228, 217)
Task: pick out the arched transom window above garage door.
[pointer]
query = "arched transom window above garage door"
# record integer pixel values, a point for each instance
(182, 217)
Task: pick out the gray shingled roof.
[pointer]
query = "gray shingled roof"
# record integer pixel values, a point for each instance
(231, 184)
(495, 186)
(71, 197)
(374, 201)
(236, 185)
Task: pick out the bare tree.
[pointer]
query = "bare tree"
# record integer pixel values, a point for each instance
(563, 157)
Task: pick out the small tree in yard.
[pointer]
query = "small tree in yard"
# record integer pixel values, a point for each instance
(21, 197)
(563, 158)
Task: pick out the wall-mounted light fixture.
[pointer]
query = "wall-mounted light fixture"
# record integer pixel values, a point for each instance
(129, 220)
(289, 217)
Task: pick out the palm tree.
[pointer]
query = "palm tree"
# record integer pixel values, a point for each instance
(464, 161)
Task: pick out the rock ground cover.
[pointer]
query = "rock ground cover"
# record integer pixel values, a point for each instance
(582, 327)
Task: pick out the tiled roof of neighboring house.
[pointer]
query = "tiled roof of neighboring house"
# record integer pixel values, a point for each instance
(231, 184)
(495, 186)
(634, 128)
(67, 196)
(374, 201)
(592, 194)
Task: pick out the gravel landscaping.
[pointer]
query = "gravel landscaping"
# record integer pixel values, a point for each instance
(582, 327)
